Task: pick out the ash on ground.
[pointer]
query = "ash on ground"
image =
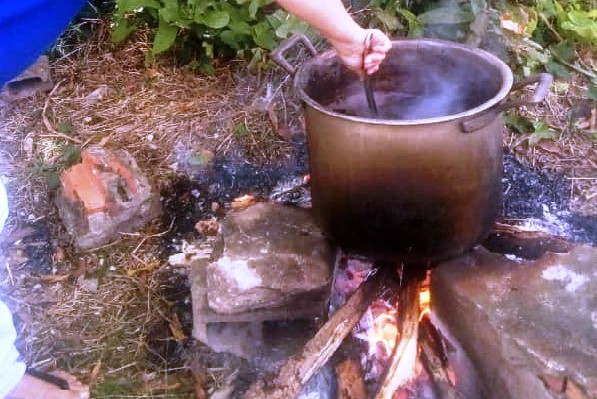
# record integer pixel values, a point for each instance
(539, 201)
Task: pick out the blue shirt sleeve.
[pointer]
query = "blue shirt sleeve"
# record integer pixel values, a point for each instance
(28, 28)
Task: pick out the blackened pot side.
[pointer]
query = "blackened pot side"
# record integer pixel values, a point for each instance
(423, 181)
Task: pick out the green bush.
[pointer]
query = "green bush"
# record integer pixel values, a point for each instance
(209, 29)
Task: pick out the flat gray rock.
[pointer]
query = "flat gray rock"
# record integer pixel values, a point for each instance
(273, 256)
(529, 326)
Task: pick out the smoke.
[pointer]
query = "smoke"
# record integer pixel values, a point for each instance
(420, 84)
(438, 97)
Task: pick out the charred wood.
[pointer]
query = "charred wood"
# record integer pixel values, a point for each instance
(298, 369)
(435, 361)
(507, 239)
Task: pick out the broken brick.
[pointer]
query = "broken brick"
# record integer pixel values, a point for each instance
(80, 184)
(106, 194)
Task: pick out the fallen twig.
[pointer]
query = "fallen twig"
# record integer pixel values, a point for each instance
(47, 123)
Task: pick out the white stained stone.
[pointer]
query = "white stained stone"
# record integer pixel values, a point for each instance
(240, 273)
(572, 279)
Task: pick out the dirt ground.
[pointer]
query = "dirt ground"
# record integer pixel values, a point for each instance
(118, 316)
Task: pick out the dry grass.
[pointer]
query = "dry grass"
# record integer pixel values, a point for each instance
(93, 312)
(573, 152)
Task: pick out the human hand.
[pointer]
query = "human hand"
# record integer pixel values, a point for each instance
(372, 43)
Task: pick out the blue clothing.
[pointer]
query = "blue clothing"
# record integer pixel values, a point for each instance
(28, 28)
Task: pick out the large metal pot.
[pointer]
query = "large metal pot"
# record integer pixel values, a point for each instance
(423, 181)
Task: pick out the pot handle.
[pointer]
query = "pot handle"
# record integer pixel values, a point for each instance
(543, 81)
(278, 54)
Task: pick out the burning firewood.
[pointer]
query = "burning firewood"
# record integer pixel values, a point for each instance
(301, 367)
(435, 361)
(404, 355)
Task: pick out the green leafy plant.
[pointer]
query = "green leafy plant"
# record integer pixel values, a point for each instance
(50, 170)
(213, 28)
(536, 129)
(450, 20)
(549, 32)
(394, 17)
(572, 20)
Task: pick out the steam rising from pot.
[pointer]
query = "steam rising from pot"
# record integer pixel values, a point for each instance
(415, 87)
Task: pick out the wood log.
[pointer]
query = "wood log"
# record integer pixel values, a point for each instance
(508, 239)
(404, 355)
(298, 369)
(435, 361)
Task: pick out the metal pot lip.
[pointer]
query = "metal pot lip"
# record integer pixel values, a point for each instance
(506, 86)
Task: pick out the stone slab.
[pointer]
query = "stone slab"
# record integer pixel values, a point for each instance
(274, 255)
(281, 246)
(530, 326)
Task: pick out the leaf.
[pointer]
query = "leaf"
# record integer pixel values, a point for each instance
(546, 7)
(446, 15)
(558, 70)
(542, 132)
(256, 59)
(564, 51)
(71, 155)
(215, 19)
(389, 20)
(592, 92)
(255, 5)
(291, 26)
(263, 36)
(170, 11)
(580, 22)
(240, 28)
(415, 29)
(518, 123)
(241, 130)
(131, 5)
(230, 38)
(122, 30)
(164, 37)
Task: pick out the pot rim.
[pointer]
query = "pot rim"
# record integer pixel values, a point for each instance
(506, 86)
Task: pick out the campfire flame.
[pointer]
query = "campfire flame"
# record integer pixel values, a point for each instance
(385, 324)
(385, 330)
(425, 296)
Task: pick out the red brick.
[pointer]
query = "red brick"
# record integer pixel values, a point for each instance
(114, 165)
(81, 184)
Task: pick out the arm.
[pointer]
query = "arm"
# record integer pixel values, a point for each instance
(332, 20)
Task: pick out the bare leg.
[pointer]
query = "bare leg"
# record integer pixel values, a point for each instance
(33, 388)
